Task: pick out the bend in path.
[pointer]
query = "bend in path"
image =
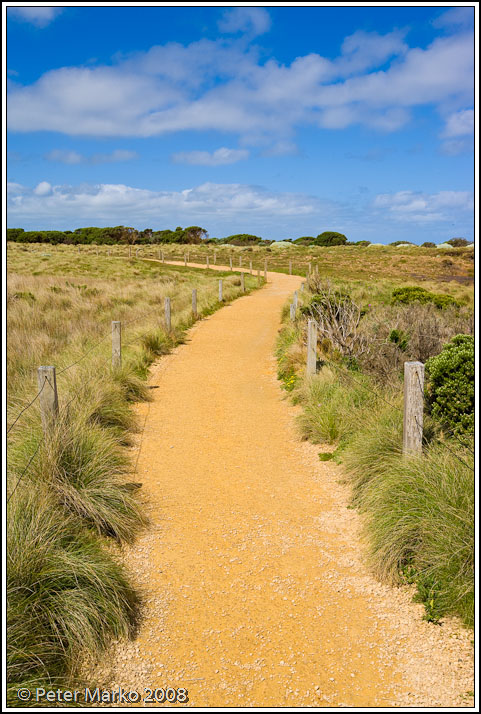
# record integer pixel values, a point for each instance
(255, 591)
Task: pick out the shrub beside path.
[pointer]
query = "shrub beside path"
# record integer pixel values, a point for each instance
(255, 589)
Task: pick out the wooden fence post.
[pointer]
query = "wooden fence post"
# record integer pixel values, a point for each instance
(207, 262)
(265, 270)
(258, 277)
(250, 266)
(185, 260)
(240, 261)
(302, 287)
(220, 291)
(243, 285)
(116, 344)
(290, 267)
(194, 302)
(215, 257)
(47, 382)
(413, 408)
(230, 262)
(168, 321)
(292, 312)
(130, 251)
(311, 346)
(294, 300)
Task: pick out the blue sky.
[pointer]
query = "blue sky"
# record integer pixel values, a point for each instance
(277, 121)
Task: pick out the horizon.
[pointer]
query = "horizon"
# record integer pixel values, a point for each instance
(279, 122)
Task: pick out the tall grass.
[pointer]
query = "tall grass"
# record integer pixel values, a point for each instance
(66, 592)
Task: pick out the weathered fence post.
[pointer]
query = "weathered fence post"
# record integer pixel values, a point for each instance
(258, 277)
(47, 382)
(215, 257)
(130, 251)
(108, 252)
(250, 266)
(311, 346)
(168, 321)
(302, 287)
(136, 253)
(243, 285)
(265, 269)
(413, 408)
(294, 300)
(185, 260)
(230, 262)
(290, 267)
(207, 262)
(116, 344)
(220, 291)
(292, 312)
(194, 302)
(240, 261)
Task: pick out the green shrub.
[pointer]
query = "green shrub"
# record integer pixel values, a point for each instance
(450, 385)
(412, 294)
(428, 244)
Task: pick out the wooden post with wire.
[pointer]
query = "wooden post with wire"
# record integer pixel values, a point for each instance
(230, 262)
(311, 346)
(116, 344)
(168, 320)
(294, 300)
(207, 262)
(292, 312)
(185, 260)
(240, 261)
(48, 399)
(413, 408)
(220, 291)
(194, 303)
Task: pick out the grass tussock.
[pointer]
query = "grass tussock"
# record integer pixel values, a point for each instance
(65, 593)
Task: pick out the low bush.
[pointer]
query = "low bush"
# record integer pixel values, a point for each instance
(412, 294)
(450, 385)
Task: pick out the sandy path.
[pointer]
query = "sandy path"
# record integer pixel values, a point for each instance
(255, 589)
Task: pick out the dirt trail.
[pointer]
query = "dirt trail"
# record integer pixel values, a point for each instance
(256, 594)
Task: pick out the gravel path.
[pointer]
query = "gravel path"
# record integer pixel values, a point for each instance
(255, 589)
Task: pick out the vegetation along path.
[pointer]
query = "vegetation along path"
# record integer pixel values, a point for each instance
(252, 573)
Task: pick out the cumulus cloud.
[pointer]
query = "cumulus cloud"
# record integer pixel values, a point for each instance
(40, 16)
(455, 17)
(421, 207)
(459, 123)
(73, 157)
(219, 157)
(117, 203)
(217, 85)
(250, 20)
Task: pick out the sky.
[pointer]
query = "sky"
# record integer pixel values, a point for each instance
(277, 121)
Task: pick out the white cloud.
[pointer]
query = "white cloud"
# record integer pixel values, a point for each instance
(455, 17)
(460, 123)
(250, 20)
(40, 16)
(223, 86)
(114, 204)
(219, 157)
(43, 189)
(73, 157)
(421, 207)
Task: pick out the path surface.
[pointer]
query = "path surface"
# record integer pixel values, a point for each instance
(255, 591)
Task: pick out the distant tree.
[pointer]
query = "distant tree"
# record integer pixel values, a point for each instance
(330, 238)
(195, 234)
(305, 240)
(242, 239)
(428, 244)
(458, 242)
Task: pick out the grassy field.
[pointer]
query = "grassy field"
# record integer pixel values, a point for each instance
(418, 513)
(72, 496)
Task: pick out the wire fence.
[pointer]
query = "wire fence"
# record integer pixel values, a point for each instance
(48, 411)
